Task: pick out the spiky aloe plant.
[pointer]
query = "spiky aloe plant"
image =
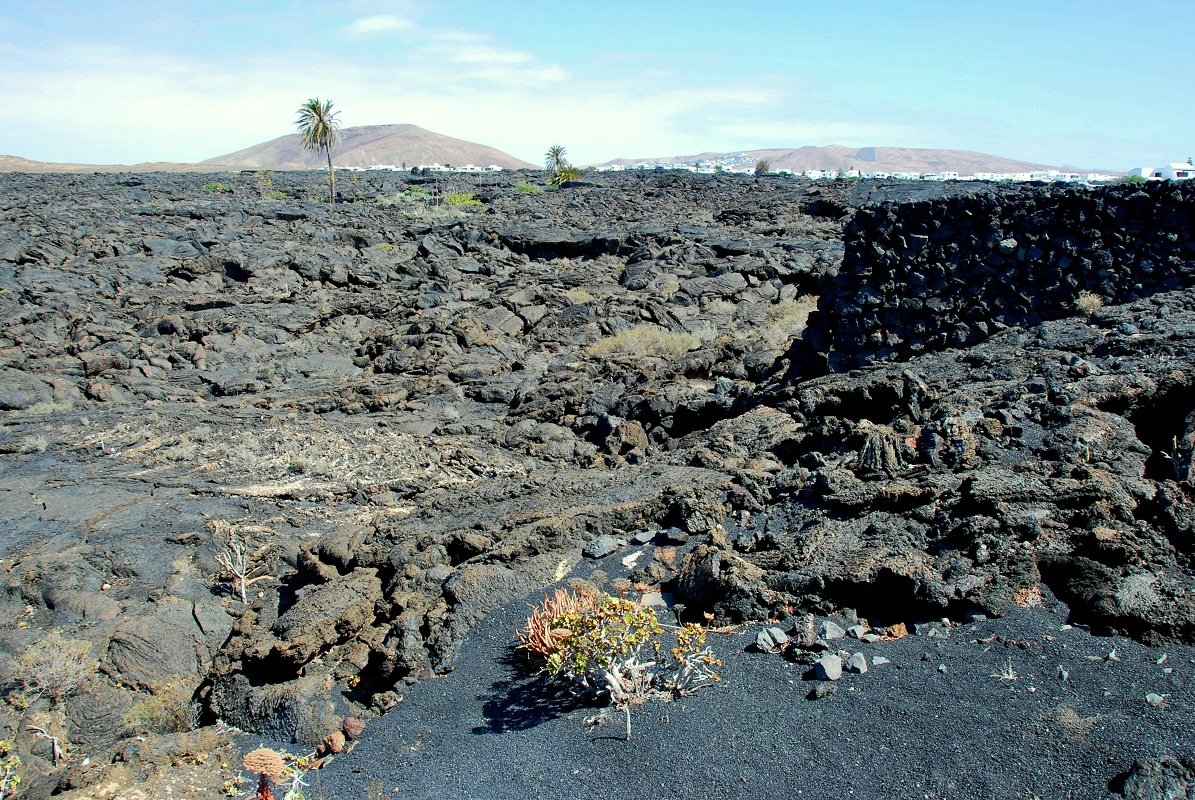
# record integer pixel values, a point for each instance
(319, 130)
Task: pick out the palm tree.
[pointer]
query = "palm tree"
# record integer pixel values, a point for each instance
(320, 130)
(554, 158)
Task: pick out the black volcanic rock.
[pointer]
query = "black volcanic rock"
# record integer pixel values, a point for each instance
(410, 413)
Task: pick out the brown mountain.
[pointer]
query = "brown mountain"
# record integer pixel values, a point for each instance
(864, 159)
(370, 145)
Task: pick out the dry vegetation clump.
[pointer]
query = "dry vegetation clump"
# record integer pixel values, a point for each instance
(644, 340)
(293, 455)
(1088, 302)
(55, 667)
(241, 554)
(168, 709)
(786, 320)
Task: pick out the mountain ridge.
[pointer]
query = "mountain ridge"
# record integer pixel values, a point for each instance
(865, 159)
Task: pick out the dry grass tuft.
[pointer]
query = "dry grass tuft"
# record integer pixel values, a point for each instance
(645, 340)
(1089, 302)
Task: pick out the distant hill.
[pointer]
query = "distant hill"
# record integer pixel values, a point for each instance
(371, 145)
(18, 164)
(864, 159)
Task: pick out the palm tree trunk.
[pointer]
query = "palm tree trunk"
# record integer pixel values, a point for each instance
(331, 180)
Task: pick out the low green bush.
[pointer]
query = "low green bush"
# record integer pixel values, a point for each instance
(461, 200)
(612, 648)
(217, 187)
(528, 188)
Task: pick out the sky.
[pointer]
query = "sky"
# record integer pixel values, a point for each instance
(1091, 83)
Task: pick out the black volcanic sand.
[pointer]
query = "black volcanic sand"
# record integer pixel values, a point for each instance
(936, 722)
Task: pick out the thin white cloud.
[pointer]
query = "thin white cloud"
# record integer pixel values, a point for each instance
(489, 55)
(379, 23)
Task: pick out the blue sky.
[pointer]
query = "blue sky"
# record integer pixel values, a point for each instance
(1097, 84)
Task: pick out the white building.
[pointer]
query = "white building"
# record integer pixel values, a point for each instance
(1175, 171)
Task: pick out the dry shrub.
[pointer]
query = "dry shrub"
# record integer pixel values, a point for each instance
(645, 340)
(1089, 302)
(578, 296)
(56, 667)
(169, 709)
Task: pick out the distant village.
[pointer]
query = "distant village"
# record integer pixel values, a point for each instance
(743, 163)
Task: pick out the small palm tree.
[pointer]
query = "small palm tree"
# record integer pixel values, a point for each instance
(320, 130)
(554, 158)
(763, 166)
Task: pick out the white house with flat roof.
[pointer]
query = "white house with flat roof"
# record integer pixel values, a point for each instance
(1176, 172)
(1170, 172)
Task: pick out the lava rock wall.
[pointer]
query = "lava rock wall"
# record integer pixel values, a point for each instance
(936, 274)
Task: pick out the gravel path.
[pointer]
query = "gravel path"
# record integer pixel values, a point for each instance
(938, 721)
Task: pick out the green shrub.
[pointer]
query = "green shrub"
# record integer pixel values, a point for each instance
(611, 647)
(528, 188)
(565, 175)
(10, 763)
(217, 187)
(461, 200)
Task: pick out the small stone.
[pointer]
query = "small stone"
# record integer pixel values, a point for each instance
(1156, 700)
(643, 537)
(871, 638)
(333, 743)
(942, 668)
(769, 640)
(830, 631)
(822, 690)
(675, 536)
(857, 663)
(353, 728)
(856, 631)
(879, 661)
(828, 668)
(653, 599)
(602, 546)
